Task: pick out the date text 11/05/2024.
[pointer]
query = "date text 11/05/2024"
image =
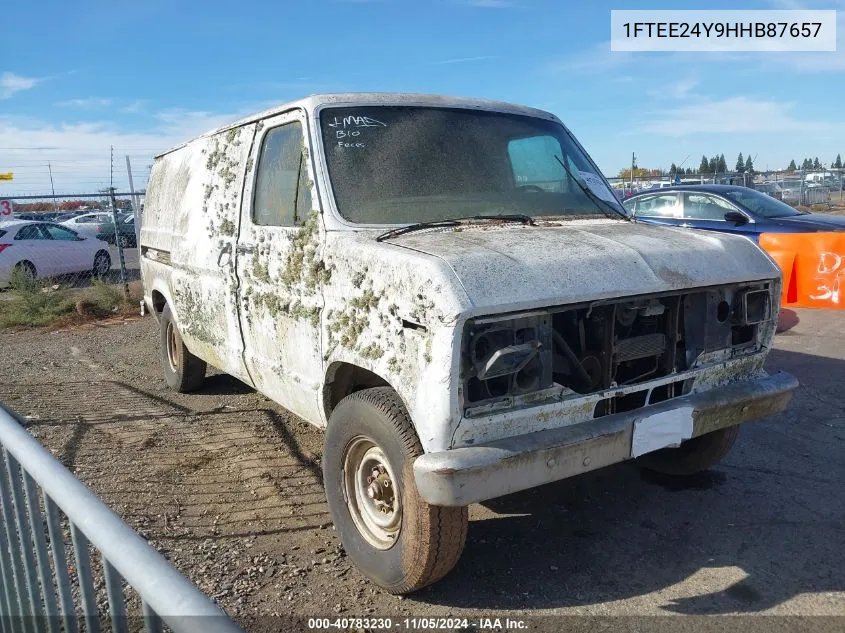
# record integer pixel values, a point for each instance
(419, 624)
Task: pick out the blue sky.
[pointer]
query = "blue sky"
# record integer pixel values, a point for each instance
(76, 78)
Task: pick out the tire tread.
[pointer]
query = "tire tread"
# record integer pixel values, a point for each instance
(438, 548)
(191, 374)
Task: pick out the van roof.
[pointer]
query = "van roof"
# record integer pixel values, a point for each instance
(376, 98)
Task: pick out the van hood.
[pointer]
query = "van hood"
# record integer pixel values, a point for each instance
(527, 266)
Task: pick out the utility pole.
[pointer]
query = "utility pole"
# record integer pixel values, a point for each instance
(111, 168)
(136, 205)
(633, 162)
(678, 168)
(52, 188)
(117, 244)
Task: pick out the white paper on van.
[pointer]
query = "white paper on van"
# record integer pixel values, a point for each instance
(661, 430)
(597, 186)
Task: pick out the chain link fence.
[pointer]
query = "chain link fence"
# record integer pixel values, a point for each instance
(68, 259)
(797, 188)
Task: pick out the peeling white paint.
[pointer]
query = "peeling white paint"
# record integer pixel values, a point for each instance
(309, 300)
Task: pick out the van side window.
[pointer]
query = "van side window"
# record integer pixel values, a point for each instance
(281, 191)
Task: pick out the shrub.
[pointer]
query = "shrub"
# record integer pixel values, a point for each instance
(30, 303)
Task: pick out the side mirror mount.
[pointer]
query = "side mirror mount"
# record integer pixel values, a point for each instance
(736, 217)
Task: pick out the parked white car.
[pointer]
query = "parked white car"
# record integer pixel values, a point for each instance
(396, 268)
(88, 224)
(43, 249)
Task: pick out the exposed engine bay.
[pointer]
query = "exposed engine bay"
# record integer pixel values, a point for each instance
(589, 348)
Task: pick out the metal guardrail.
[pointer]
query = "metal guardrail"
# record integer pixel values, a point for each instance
(42, 590)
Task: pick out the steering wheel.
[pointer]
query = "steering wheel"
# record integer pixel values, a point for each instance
(531, 189)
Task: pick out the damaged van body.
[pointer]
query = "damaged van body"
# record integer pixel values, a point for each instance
(451, 288)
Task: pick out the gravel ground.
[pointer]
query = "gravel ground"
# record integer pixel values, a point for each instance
(226, 485)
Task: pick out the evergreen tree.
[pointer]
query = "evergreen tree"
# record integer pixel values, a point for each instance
(723, 165)
(792, 165)
(749, 166)
(837, 164)
(673, 169)
(740, 164)
(816, 163)
(703, 165)
(712, 164)
(807, 164)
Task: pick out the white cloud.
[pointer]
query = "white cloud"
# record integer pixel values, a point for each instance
(598, 59)
(728, 116)
(79, 152)
(88, 102)
(490, 4)
(681, 89)
(11, 84)
(464, 60)
(134, 107)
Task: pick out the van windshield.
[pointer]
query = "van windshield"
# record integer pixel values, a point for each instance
(404, 164)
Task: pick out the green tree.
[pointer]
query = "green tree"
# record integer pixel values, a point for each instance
(673, 169)
(712, 164)
(749, 166)
(722, 164)
(702, 167)
(792, 165)
(807, 164)
(740, 164)
(816, 163)
(837, 164)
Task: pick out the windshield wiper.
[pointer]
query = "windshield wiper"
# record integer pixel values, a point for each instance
(600, 204)
(419, 226)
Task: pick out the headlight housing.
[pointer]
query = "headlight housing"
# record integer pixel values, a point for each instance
(505, 358)
(525, 359)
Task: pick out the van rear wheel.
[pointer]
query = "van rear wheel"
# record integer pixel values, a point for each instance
(393, 536)
(183, 371)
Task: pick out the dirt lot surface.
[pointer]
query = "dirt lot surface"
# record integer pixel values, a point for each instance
(227, 485)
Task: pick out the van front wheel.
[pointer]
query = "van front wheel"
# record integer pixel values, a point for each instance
(183, 371)
(391, 534)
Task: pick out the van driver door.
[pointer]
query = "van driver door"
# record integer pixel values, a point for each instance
(280, 298)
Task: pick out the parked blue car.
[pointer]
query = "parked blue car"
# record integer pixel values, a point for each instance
(726, 208)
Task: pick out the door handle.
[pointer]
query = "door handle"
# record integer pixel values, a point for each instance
(245, 249)
(227, 249)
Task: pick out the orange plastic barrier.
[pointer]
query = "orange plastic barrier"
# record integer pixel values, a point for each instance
(813, 266)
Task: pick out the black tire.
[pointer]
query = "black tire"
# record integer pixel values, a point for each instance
(27, 268)
(429, 539)
(124, 241)
(692, 456)
(183, 371)
(102, 264)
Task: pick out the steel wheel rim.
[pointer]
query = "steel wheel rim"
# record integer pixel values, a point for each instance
(100, 266)
(173, 351)
(371, 494)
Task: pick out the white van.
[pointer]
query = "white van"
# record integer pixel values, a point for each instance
(452, 289)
